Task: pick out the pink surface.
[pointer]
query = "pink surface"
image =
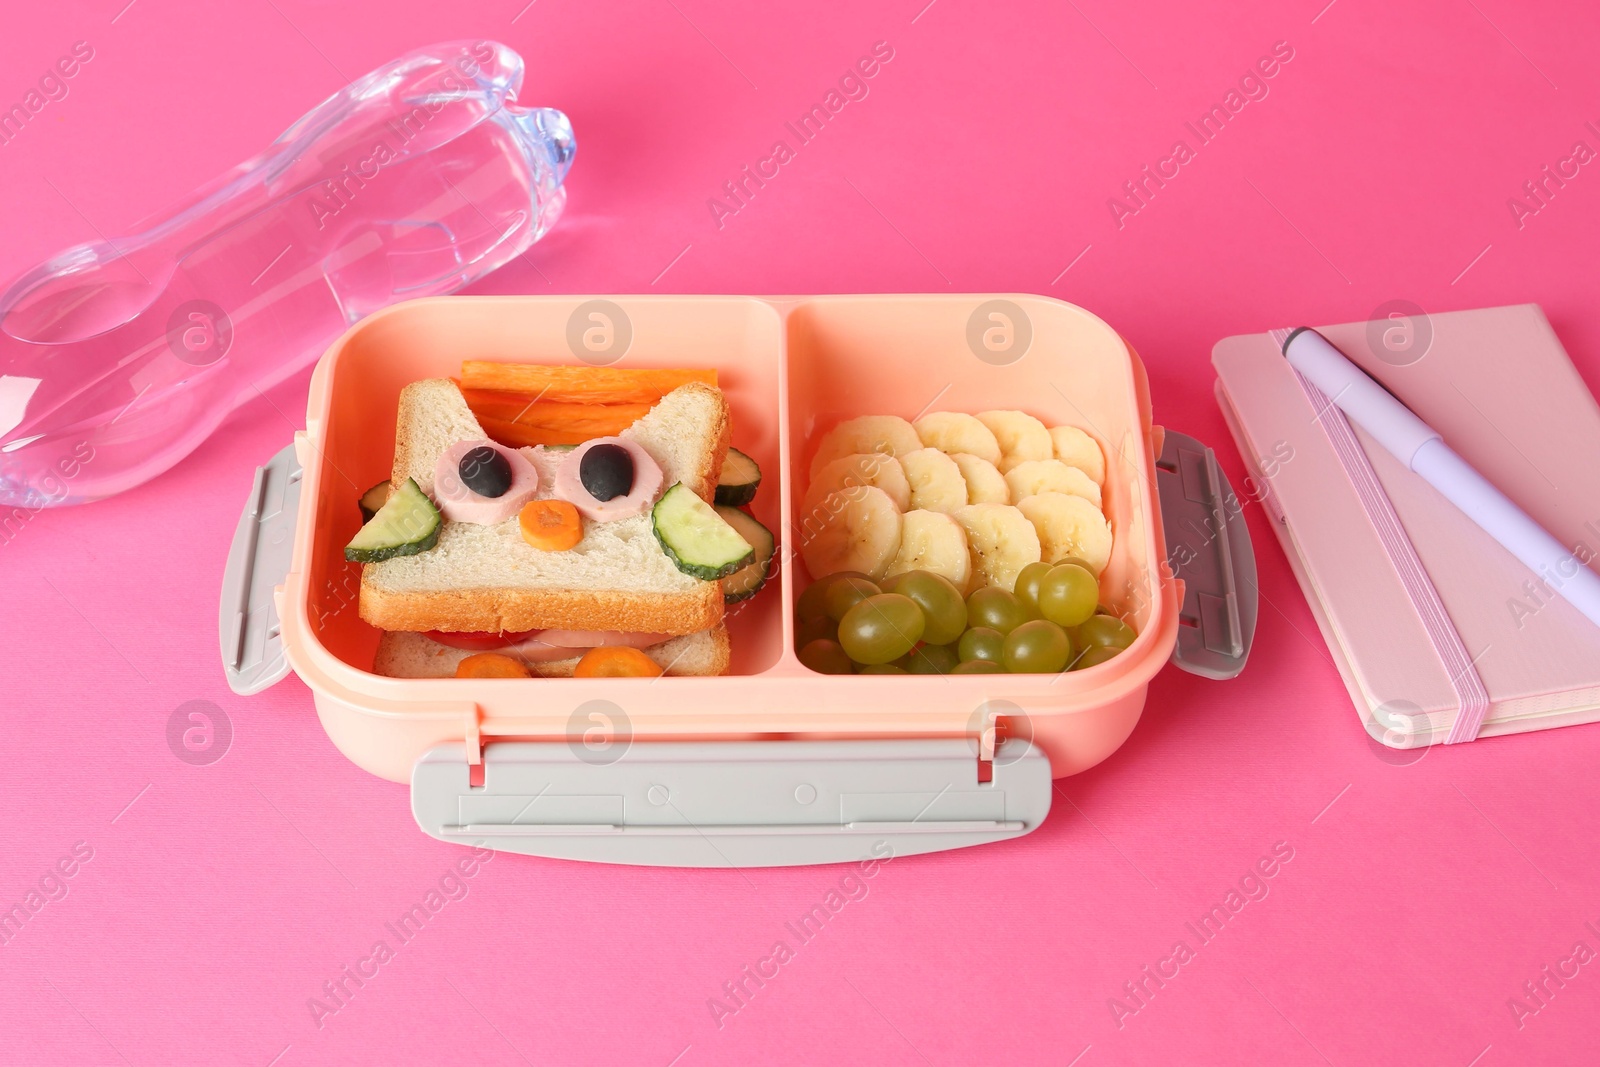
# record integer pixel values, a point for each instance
(1421, 896)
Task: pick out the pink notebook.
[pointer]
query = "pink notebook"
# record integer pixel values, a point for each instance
(1499, 387)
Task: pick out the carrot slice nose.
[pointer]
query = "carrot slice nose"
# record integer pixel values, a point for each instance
(550, 525)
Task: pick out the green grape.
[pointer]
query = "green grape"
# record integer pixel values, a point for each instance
(939, 600)
(995, 608)
(881, 628)
(825, 657)
(1095, 655)
(846, 593)
(881, 668)
(1037, 647)
(1107, 631)
(1027, 590)
(1075, 560)
(1068, 594)
(813, 601)
(978, 666)
(930, 659)
(981, 642)
(809, 630)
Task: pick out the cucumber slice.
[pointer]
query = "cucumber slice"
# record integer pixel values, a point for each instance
(746, 583)
(407, 523)
(740, 477)
(695, 538)
(374, 499)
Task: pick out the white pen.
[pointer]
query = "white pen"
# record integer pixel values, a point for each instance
(1421, 448)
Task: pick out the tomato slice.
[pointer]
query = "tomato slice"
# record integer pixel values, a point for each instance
(601, 638)
(478, 642)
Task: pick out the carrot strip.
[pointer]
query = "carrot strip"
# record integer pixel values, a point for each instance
(524, 408)
(592, 385)
(518, 435)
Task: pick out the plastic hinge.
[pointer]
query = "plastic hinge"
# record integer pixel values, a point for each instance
(731, 803)
(1208, 548)
(258, 560)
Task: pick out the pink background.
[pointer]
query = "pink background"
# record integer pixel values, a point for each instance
(1420, 896)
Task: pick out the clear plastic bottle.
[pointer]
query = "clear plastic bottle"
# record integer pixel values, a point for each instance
(118, 358)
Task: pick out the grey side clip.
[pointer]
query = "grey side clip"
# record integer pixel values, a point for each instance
(263, 546)
(1208, 547)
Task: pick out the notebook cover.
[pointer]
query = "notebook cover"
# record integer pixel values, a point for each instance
(1498, 386)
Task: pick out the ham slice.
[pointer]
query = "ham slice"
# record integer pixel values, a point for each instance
(547, 646)
(647, 480)
(460, 504)
(535, 650)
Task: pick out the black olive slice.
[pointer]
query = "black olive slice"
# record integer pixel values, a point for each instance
(486, 471)
(606, 472)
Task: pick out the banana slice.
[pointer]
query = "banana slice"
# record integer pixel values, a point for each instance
(1069, 526)
(1050, 476)
(1022, 437)
(933, 541)
(953, 431)
(854, 529)
(1077, 449)
(888, 434)
(985, 483)
(1000, 540)
(869, 468)
(936, 481)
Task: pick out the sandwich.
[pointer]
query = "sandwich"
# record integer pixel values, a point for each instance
(555, 554)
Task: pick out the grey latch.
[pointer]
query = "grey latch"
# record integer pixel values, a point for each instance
(731, 803)
(1208, 547)
(263, 545)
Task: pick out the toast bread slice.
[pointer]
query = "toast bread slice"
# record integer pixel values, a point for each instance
(413, 655)
(487, 578)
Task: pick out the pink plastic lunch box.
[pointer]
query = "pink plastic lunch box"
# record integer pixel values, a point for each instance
(771, 763)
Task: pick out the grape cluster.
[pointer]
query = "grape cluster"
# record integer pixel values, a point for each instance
(919, 623)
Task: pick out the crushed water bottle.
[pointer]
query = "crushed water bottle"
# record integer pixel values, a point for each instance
(118, 358)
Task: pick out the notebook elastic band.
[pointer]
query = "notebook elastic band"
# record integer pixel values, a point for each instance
(1469, 688)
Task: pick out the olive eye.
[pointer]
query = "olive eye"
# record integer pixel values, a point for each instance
(485, 471)
(606, 472)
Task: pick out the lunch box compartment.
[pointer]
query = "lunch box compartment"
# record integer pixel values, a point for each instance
(741, 338)
(909, 355)
(537, 765)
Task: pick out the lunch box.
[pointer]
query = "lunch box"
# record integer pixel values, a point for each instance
(772, 763)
